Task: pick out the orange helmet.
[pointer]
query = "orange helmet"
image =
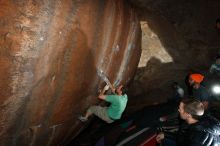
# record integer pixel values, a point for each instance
(198, 78)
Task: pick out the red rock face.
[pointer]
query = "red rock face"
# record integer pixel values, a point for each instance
(50, 55)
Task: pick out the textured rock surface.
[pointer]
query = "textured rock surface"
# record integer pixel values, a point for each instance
(50, 51)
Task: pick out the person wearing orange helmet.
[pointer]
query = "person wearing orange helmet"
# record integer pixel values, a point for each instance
(199, 91)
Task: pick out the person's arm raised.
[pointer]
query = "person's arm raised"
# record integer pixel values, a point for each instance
(112, 87)
(101, 95)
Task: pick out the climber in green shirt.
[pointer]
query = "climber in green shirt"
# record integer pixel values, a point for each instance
(114, 111)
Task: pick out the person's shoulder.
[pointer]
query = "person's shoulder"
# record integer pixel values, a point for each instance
(109, 96)
(203, 88)
(202, 134)
(125, 95)
(112, 95)
(198, 137)
(209, 124)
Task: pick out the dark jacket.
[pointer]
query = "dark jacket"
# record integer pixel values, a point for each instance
(206, 132)
(201, 94)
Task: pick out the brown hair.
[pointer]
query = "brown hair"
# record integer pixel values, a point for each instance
(193, 107)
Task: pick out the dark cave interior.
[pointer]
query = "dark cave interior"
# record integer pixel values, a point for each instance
(51, 51)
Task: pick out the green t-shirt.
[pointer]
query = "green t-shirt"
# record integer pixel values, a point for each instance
(117, 107)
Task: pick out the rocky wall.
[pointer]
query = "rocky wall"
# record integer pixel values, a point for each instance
(50, 54)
